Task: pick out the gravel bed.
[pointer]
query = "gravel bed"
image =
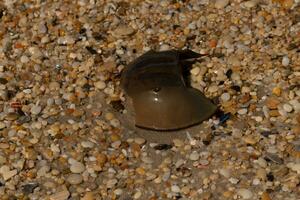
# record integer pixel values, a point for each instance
(66, 127)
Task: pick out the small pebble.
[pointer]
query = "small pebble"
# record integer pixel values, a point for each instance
(287, 107)
(77, 167)
(245, 193)
(36, 109)
(219, 4)
(194, 156)
(285, 61)
(74, 179)
(175, 188)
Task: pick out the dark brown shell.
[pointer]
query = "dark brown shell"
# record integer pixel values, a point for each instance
(161, 99)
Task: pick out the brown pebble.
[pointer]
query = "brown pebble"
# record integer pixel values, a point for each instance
(274, 113)
(272, 103)
(265, 196)
(88, 196)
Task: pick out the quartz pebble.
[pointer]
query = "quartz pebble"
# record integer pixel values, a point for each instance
(7, 173)
(219, 4)
(225, 97)
(245, 193)
(287, 107)
(74, 179)
(194, 156)
(285, 61)
(175, 188)
(77, 167)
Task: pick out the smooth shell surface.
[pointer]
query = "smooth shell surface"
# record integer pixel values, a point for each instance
(160, 97)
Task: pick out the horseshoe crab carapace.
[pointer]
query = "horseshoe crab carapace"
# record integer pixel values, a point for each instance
(160, 96)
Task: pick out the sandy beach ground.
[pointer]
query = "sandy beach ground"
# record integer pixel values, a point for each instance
(67, 132)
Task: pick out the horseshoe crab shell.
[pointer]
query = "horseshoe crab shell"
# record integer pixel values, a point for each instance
(160, 97)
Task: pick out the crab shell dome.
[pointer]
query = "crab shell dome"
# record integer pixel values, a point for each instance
(171, 108)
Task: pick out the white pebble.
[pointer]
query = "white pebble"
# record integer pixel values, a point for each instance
(77, 167)
(118, 191)
(194, 155)
(285, 61)
(24, 59)
(233, 180)
(225, 97)
(137, 195)
(74, 179)
(243, 111)
(195, 71)
(287, 107)
(225, 172)
(245, 193)
(100, 85)
(87, 144)
(35, 109)
(175, 189)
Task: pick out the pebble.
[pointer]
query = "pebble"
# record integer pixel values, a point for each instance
(87, 144)
(243, 111)
(137, 195)
(294, 166)
(225, 172)
(100, 85)
(175, 188)
(77, 167)
(36, 109)
(194, 156)
(285, 61)
(287, 107)
(63, 194)
(219, 4)
(245, 193)
(250, 4)
(7, 173)
(74, 179)
(178, 142)
(111, 183)
(225, 97)
(233, 180)
(140, 141)
(122, 31)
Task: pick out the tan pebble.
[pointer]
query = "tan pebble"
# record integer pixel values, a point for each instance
(140, 141)
(11, 116)
(63, 194)
(276, 91)
(88, 196)
(140, 171)
(296, 130)
(272, 103)
(100, 85)
(261, 173)
(178, 142)
(227, 194)
(4, 146)
(185, 189)
(265, 196)
(249, 140)
(109, 116)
